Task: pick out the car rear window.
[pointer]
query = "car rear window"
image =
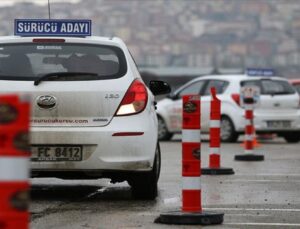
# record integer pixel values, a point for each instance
(29, 61)
(270, 87)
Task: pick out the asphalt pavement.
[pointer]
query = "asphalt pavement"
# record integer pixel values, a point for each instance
(262, 194)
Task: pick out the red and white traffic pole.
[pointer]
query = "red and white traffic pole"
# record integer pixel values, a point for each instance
(14, 163)
(191, 154)
(214, 132)
(215, 139)
(191, 210)
(249, 132)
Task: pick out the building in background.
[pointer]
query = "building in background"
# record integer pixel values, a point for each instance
(194, 34)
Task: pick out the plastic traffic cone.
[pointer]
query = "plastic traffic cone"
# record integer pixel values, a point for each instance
(255, 142)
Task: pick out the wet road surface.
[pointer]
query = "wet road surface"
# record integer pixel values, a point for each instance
(260, 195)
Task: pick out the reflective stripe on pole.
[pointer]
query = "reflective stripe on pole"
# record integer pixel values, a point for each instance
(191, 154)
(214, 133)
(14, 168)
(191, 183)
(215, 123)
(249, 130)
(191, 136)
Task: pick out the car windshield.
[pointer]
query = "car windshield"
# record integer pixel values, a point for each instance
(271, 87)
(30, 61)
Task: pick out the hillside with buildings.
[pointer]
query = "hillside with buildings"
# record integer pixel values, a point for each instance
(190, 33)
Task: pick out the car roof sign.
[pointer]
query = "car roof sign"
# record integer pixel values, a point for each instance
(260, 72)
(53, 27)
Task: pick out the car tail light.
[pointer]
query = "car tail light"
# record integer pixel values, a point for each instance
(135, 99)
(236, 98)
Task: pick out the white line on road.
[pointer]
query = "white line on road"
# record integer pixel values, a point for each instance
(255, 209)
(272, 174)
(265, 224)
(262, 181)
(241, 214)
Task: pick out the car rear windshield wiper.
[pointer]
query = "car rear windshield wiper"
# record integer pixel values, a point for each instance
(279, 93)
(62, 74)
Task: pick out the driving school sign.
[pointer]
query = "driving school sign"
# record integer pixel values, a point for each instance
(249, 95)
(53, 27)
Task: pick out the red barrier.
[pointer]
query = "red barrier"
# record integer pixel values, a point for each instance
(14, 163)
(214, 133)
(249, 130)
(191, 210)
(191, 161)
(215, 139)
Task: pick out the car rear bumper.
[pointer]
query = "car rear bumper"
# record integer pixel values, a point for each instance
(101, 150)
(261, 123)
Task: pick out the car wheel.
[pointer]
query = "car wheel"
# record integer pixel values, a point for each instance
(163, 132)
(228, 133)
(144, 185)
(292, 137)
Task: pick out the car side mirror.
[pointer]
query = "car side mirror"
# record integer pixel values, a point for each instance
(158, 87)
(172, 96)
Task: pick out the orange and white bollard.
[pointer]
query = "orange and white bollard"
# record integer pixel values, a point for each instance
(14, 163)
(191, 151)
(191, 210)
(215, 139)
(249, 135)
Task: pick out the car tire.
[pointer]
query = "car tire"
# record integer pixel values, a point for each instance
(292, 137)
(228, 133)
(163, 132)
(144, 185)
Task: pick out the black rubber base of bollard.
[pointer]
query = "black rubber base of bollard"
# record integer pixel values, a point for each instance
(249, 157)
(217, 171)
(190, 218)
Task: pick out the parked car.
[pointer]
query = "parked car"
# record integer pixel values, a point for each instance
(296, 84)
(278, 111)
(92, 115)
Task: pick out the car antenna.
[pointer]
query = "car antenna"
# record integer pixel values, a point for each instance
(49, 10)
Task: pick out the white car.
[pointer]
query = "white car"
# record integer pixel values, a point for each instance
(277, 112)
(92, 115)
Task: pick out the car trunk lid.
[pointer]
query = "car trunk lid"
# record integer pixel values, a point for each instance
(76, 104)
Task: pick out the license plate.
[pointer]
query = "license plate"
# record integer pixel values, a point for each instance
(56, 153)
(279, 124)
